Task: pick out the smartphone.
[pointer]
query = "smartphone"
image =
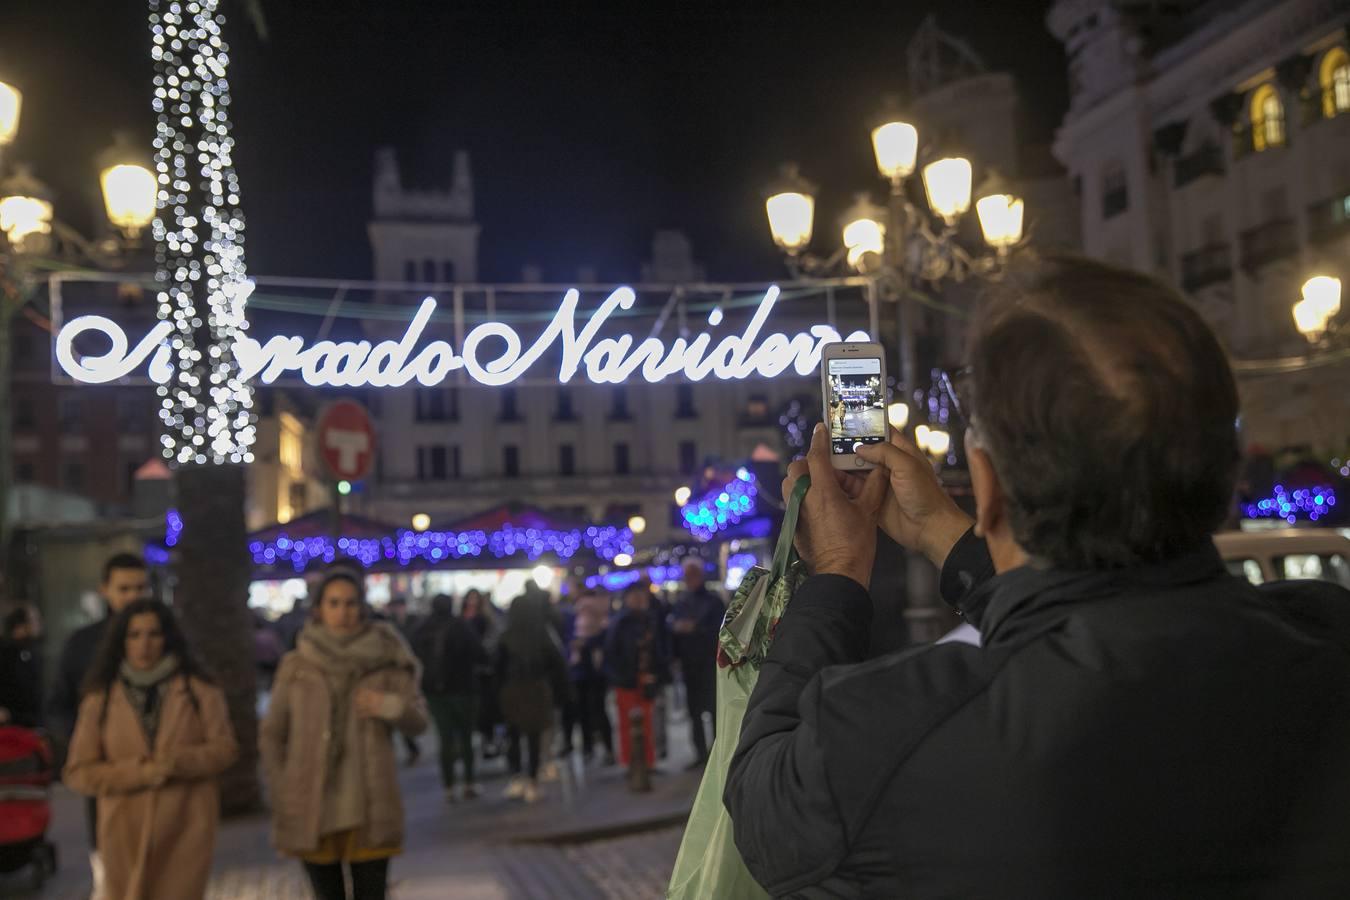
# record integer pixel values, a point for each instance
(853, 395)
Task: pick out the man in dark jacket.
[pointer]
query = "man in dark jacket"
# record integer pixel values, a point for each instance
(694, 624)
(21, 669)
(453, 659)
(1137, 723)
(637, 664)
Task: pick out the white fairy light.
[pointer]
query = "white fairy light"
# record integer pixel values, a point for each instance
(206, 402)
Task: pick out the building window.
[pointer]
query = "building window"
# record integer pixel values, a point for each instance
(429, 270)
(567, 459)
(509, 413)
(757, 410)
(432, 462)
(1267, 118)
(68, 410)
(511, 461)
(618, 410)
(684, 402)
(565, 412)
(1115, 191)
(131, 415)
(72, 476)
(447, 271)
(621, 460)
(23, 412)
(688, 458)
(1335, 82)
(409, 270)
(435, 404)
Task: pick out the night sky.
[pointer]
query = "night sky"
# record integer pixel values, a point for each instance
(590, 126)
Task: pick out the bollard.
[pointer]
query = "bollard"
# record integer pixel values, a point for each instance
(639, 776)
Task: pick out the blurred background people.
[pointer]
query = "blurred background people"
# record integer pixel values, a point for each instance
(405, 623)
(327, 743)
(586, 668)
(694, 625)
(453, 659)
(483, 618)
(532, 672)
(152, 735)
(21, 667)
(637, 663)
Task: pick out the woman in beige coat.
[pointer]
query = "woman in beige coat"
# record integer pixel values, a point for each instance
(327, 743)
(151, 737)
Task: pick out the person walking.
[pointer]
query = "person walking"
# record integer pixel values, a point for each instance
(585, 666)
(694, 624)
(533, 676)
(21, 669)
(637, 664)
(452, 660)
(125, 579)
(152, 735)
(327, 743)
(483, 619)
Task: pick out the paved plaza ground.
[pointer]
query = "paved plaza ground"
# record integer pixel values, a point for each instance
(589, 837)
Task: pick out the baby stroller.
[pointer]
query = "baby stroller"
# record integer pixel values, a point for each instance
(25, 776)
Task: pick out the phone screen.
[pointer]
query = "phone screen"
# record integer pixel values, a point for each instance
(855, 405)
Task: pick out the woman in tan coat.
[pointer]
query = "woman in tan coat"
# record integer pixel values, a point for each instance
(327, 743)
(151, 737)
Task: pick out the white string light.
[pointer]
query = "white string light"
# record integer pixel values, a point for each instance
(206, 404)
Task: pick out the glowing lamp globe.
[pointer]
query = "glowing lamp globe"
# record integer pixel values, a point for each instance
(542, 576)
(939, 442)
(637, 524)
(863, 236)
(682, 494)
(421, 522)
(22, 216)
(896, 145)
(11, 102)
(129, 192)
(1000, 219)
(898, 414)
(947, 183)
(791, 218)
(921, 434)
(623, 559)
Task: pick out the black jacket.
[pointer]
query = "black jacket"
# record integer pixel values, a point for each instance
(625, 659)
(21, 681)
(452, 656)
(76, 657)
(697, 651)
(1167, 731)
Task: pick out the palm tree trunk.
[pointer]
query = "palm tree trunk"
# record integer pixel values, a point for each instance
(212, 602)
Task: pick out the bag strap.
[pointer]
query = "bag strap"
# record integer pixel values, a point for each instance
(785, 553)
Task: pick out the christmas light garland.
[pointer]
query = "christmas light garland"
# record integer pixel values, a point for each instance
(206, 406)
(606, 541)
(1304, 503)
(722, 507)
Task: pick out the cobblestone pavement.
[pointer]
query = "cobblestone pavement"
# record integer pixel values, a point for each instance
(629, 868)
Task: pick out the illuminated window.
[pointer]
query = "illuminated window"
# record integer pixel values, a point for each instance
(292, 446)
(1267, 118)
(1335, 82)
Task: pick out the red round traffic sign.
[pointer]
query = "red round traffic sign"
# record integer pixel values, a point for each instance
(346, 440)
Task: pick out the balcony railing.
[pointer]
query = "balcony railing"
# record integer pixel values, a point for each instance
(1208, 160)
(1266, 243)
(1208, 265)
(1329, 219)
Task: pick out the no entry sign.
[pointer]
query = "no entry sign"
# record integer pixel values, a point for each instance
(346, 440)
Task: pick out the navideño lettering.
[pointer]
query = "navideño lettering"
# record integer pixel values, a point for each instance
(492, 353)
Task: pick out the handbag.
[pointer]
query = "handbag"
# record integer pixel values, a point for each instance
(709, 867)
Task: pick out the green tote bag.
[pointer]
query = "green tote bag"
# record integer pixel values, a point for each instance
(709, 866)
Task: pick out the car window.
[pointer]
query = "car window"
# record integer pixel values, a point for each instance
(1249, 569)
(1332, 567)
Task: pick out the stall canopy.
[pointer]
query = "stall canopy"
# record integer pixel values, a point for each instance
(507, 536)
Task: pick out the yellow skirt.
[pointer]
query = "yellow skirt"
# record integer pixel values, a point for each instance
(342, 846)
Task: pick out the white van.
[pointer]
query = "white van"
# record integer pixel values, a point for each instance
(1260, 556)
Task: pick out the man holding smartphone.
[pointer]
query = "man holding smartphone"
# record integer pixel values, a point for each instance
(1136, 723)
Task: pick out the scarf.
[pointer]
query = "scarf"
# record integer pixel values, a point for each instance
(344, 661)
(143, 690)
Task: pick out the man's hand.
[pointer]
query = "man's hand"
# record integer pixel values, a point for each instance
(918, 513)
(837, 528)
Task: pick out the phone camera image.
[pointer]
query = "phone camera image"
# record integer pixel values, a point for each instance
(856, 405)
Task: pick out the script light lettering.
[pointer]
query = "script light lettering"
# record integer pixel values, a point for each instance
(493, 352)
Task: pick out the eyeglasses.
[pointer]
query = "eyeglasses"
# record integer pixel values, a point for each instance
(959, 388)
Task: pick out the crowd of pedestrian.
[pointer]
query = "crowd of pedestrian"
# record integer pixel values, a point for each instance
(146, 733)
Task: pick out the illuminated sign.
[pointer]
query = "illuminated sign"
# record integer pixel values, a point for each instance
(492, 353)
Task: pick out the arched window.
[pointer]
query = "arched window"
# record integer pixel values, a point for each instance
(1335, 82)
(1267, 118)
